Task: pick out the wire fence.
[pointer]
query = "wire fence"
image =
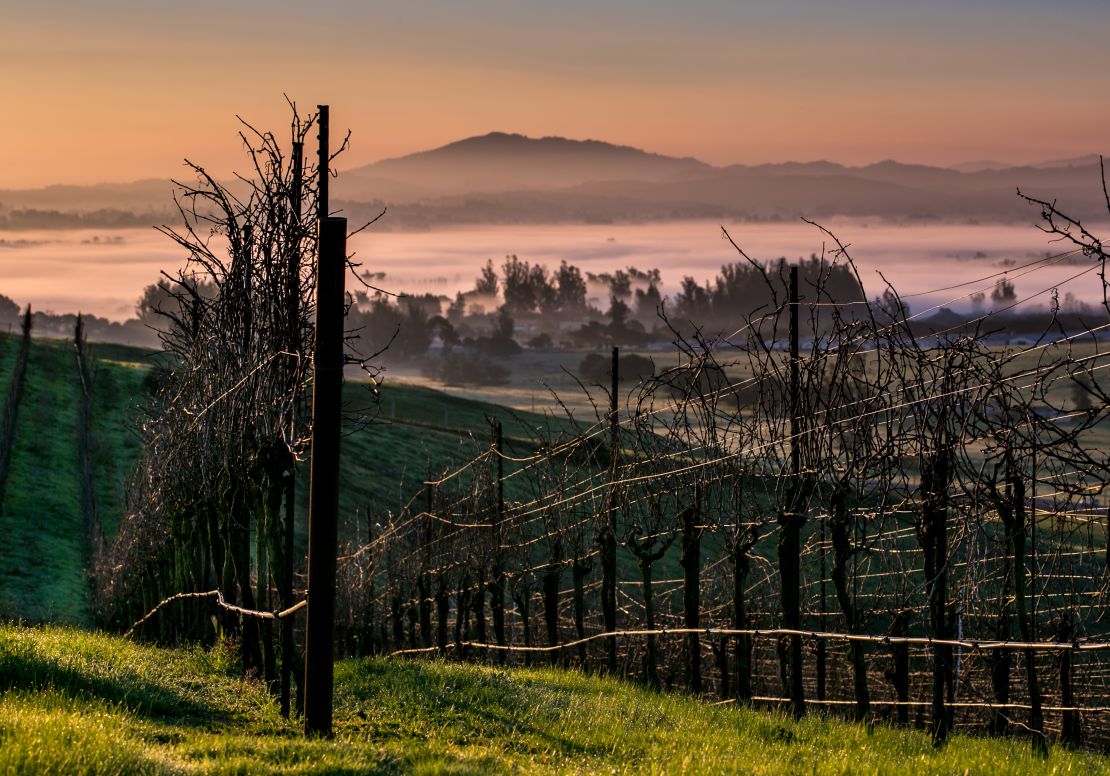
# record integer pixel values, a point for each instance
(830, 504)
(908, 522)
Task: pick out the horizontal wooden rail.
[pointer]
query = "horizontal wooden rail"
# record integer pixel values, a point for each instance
(1054, 646)
(220, 602)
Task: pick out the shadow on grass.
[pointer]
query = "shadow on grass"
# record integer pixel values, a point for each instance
(467, 704)
(21, 669)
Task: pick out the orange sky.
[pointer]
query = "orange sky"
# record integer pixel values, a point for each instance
(124, 89)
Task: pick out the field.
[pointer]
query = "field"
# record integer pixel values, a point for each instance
(78, 702)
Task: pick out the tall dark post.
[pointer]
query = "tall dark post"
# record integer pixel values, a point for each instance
(842, 555)
(936, 477)
(1071, 732)
(791, 519)
(690, 557)
(322, 163)
(323, 486)
(608, 535)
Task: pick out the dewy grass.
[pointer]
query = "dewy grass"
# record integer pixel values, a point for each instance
(86, 703)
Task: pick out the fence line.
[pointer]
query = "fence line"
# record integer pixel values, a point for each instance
(926, 641)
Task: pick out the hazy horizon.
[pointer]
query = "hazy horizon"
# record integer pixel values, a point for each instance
(69, 272)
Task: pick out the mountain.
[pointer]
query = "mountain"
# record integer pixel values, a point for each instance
(510, 178)
(509, 162)
(501, 178)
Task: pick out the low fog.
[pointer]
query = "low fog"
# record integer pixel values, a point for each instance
(104, 272)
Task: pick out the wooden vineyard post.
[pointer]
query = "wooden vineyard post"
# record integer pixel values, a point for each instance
(608, 534)
(1071, 732)
(791, 519)
(323, 486)
(497, 581)
(690, 556)
(842, 553)
(323, 163)
(935, 478)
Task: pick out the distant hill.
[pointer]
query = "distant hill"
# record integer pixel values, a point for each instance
(508, 178)
(1087, 160)
(504, 162)
(502, 178)
(143, 196)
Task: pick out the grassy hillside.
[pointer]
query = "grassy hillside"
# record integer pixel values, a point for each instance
(42, 564)
(386, 464)
(388, 447)
(118, 390)
(43, 559)
(386, 452)
(77, 702)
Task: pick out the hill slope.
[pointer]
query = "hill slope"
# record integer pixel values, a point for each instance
(508, 162)
(387, 451)
(43, 558)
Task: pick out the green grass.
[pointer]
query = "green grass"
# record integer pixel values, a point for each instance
(388, 450)
(43, 558)
(79, 702)
(118, 391)
(42, 563)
